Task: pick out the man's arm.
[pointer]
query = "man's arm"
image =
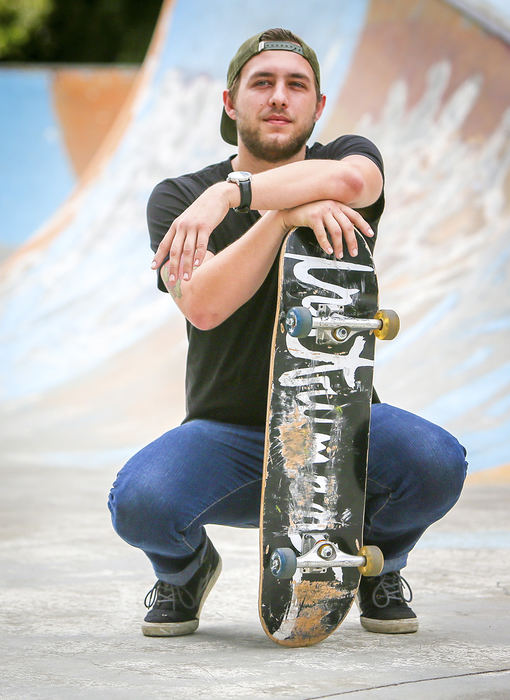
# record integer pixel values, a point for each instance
(355, 181)
(229, 279)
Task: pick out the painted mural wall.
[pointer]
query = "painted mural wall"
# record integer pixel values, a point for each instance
(93, 355)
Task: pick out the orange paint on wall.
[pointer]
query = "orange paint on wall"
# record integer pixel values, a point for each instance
(87, 102)
(401, 41)
(498, 475)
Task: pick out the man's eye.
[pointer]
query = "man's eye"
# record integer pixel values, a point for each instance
(262, 82)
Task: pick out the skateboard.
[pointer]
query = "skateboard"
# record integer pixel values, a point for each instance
(318, 419)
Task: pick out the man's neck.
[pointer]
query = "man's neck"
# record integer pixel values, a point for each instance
(245, 160)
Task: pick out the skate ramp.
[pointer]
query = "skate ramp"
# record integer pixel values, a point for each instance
(439, 111)
(52, 123)
(93, 356)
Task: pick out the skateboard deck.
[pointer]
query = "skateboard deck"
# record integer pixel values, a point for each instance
(318, 420)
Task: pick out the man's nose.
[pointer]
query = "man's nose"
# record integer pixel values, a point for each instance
(278, 96)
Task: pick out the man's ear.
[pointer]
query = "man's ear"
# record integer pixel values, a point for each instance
(321, 103)
(228, 104)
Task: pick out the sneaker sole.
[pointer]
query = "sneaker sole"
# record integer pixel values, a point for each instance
(178, 629)
(403, 626)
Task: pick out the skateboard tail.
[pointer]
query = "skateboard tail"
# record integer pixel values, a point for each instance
(312, 615)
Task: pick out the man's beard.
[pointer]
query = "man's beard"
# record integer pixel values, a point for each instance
(269, 150)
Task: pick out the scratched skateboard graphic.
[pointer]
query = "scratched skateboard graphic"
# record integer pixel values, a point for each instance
(318, 420)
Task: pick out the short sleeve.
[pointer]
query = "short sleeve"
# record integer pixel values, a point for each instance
(349, 145)
(166, 203)
(353, 144)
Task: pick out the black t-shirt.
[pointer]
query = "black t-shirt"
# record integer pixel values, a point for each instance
(227, 367)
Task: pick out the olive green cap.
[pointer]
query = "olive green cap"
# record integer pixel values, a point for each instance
(250, 48)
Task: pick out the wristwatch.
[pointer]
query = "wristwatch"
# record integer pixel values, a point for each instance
(243, 181)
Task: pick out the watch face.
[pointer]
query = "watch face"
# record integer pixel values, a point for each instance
(239, 175)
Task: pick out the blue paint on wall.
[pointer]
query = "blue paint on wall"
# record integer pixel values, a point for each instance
(476, 359)
(39, 176)
(495, 325)
(35, 176)
(473, 394)
(500, 407)
(488, 449)
(387, 352)
(204, 42)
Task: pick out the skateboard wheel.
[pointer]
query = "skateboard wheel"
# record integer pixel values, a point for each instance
(298, 322)
(390, 324)
(374, 560)
(283, 563)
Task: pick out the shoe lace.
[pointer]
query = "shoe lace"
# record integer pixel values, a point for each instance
(163, 592)
(391, 587)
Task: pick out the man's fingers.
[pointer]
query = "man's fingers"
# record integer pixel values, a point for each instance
(201, 247)
(174, 260)
(188, 255)
(348, 233)
(335, 234)
(163, 248)
(358, 221)
(321, 236)
(185, 249)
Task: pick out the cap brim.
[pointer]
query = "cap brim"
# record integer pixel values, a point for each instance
(228, 129)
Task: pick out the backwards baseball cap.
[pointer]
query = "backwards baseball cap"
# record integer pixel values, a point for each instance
(250, 48)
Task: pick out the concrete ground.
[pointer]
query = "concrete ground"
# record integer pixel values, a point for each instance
(72, 602)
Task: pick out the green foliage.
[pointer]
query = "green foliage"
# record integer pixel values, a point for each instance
(76, 31)
(19, 19)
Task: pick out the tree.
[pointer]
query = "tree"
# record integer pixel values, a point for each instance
(19, 19)
(76, 31)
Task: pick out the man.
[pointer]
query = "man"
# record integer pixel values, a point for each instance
(216, 234)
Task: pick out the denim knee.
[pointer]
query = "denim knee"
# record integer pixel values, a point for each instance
(140, 509)
(454, 469)
(124, 508)
(416, 463)
(122, 511)
(440, 473)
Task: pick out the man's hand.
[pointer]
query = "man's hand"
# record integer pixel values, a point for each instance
(329, 217)
(186, 239)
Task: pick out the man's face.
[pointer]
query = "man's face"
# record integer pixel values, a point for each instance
(276, 105)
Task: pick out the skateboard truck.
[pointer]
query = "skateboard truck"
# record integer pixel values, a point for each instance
(320, 554)
(336, 328)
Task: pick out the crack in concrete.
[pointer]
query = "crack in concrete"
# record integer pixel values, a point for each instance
(413, 682)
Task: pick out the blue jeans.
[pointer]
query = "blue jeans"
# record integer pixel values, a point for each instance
(205, 472)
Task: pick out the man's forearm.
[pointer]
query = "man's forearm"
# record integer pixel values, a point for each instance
(229, 279)
(355, 181)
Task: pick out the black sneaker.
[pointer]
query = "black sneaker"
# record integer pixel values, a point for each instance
(384, 605)
(174, 610)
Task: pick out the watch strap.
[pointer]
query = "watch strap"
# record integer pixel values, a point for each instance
(245, 191)
(243, 180)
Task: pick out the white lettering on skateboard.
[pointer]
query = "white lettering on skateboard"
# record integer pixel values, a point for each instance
(308, 262)
(348, 364)
(317, 395)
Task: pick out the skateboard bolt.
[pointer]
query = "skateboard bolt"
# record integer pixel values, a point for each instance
(326, 551)
(275, 563)
(340, 333)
